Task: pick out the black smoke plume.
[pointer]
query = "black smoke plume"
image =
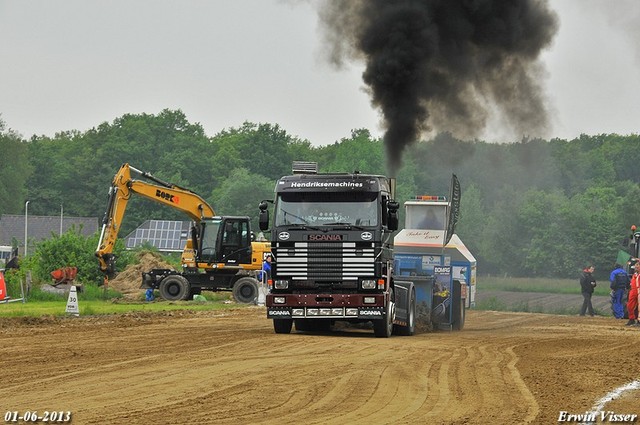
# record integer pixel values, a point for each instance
(444, 65)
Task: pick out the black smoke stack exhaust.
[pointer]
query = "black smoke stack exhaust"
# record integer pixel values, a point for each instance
(441, 65)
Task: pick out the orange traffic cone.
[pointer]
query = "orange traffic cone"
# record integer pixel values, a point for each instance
(3, 287)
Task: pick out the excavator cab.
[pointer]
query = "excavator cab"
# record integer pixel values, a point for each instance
(225, 240)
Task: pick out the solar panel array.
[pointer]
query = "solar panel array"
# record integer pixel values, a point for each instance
(165, 235)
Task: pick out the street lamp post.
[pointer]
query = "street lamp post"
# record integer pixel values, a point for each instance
(26, 226)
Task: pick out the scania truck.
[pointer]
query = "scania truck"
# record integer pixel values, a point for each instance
(332, 250)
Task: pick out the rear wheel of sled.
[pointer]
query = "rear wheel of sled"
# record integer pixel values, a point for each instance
(174, 288)
(384, 328)
(245, 290)
(410, 329)
(458, 305)
(282, 326)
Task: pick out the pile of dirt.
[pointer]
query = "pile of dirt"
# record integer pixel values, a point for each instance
(128, 282)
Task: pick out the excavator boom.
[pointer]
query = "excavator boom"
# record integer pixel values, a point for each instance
(120, 191)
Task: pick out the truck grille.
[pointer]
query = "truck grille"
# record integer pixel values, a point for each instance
(321, 263)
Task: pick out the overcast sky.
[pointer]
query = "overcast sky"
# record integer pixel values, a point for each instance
(74, 64)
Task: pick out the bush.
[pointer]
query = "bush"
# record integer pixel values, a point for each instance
(12, 278)
(72, 249)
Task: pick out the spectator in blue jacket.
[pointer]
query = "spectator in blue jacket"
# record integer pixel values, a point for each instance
(619, 283)
(265, 273)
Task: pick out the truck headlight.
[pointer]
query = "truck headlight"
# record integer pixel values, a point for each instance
(368, 284)
(278, 300)
(281, 284)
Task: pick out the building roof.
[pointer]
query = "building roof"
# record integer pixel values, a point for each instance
(41, 227)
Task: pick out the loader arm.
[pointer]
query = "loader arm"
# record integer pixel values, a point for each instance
(122, 188)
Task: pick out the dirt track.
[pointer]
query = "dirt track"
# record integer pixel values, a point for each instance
(230, 368)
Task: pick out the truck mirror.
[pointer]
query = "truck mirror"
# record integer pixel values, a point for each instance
(263, 217)
(392, 220)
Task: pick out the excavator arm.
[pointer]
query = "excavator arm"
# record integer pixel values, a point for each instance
(122, 188)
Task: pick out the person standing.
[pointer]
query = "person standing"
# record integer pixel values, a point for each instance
(632, 303)
(587, 285)
(619, 282)
(266, 269)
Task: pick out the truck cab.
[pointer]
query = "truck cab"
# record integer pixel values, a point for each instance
(332, 253)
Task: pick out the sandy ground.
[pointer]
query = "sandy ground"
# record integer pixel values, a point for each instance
(230, 368)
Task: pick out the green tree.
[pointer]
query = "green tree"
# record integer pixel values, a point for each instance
(357, 153)
(473, 218)
(549, 234)
(56, 182)
(241, 193)
(260, 148)
(15, 170)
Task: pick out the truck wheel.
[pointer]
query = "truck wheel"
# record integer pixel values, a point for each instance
(282, 326)
(384, 328)
(245, 290)
(458, 305)
(174, 288)
(410, 329)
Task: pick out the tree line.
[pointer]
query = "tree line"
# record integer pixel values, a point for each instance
(540, 208)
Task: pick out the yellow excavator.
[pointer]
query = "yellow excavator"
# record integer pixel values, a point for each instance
(220, 254)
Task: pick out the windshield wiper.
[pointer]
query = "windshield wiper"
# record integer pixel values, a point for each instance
(286, 213)
(348, 225)
(305, 227)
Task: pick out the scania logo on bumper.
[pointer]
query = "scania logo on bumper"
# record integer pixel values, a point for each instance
(370, 313)
(279, 313)
(283, 235)
(366, 236)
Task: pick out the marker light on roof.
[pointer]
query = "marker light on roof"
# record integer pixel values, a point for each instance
(430, 198)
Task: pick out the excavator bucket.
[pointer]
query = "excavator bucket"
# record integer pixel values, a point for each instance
(64, 275)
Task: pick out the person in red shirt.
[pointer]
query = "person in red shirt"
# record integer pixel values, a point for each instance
(632, 303)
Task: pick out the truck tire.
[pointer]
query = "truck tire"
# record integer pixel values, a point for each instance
(174, 288)
(282, 326)
(384, 328)
(458, 305)
(245, 290)
(410, 329)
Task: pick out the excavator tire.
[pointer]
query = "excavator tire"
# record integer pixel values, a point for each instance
(245, 290)
(174, 288)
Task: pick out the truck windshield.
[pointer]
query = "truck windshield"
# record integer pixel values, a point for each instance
(327, 208)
